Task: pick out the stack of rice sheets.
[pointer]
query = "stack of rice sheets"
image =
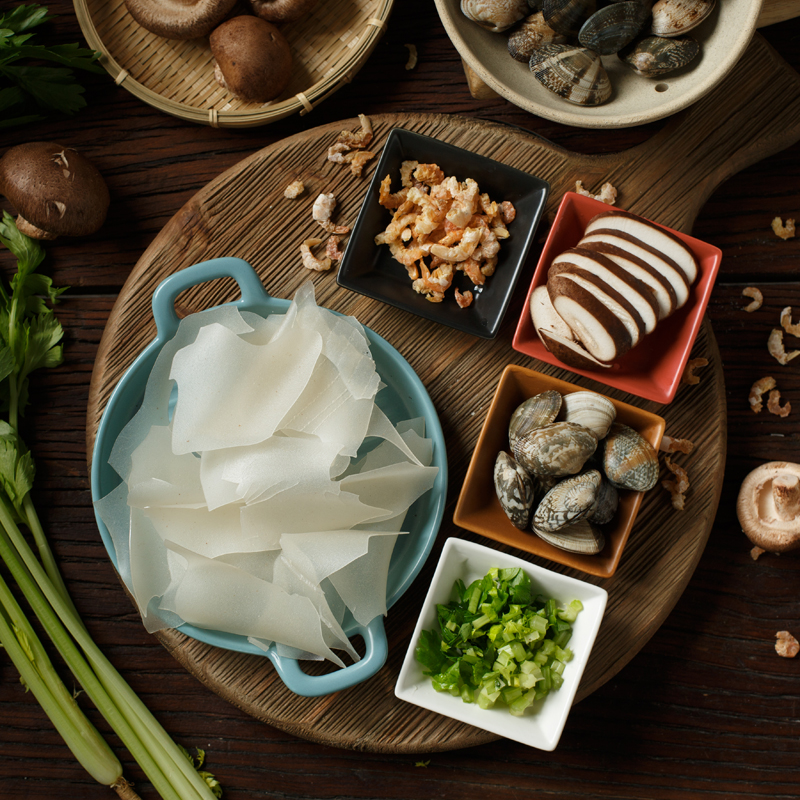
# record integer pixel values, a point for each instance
(263, 489)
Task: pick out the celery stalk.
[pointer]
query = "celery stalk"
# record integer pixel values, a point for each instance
(36, 670)
(165, 765)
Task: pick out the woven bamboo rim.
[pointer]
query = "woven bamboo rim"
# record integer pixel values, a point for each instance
(329, 47)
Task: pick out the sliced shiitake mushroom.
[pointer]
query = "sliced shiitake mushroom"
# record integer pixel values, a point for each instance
(661, 288)
(570, 352)
(564, 279)
(544, 316)
(615, 278)
(660, 239)
(594, 325)
(630, 244)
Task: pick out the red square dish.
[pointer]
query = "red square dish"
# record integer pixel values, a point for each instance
(653, 368)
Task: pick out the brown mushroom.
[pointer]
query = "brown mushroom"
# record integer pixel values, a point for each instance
(55, 190)
(768, 506)
(179, 19)
(282, 10)
(254, 60)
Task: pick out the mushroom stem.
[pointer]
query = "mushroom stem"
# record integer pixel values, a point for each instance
(786, 496)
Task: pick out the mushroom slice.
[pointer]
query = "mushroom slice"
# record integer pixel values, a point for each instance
(627, 286)
(570, 352)
(604, 326)
(544, 316)
(659, 238)
(179, 19)
(768, 506)
(655, 281)
(55, 190)
(662, 264)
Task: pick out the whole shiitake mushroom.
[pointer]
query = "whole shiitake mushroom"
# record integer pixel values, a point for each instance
(55, 190)
(282, 10)
(180, 19)
(254, 60)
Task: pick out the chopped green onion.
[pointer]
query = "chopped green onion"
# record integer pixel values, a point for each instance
(498, 643)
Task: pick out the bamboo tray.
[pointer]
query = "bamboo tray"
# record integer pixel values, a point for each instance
(329, 47)
(243, 213)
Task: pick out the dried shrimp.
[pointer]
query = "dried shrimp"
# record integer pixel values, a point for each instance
(758, 298)
(442, 226)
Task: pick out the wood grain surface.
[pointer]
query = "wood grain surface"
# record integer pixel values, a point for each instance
(706, 709)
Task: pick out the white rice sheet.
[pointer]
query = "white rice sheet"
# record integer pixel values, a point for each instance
(247, 513)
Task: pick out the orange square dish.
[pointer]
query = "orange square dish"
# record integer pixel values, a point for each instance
(653, 368)
(478, 509)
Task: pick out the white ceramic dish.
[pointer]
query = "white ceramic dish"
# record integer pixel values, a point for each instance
(723, 38)
(542, 727)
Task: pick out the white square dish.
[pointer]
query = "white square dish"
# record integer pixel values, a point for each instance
(542, 726)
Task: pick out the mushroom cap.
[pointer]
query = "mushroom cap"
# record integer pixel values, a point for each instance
(179, 19)
(53, 188)
(768, 506)
(253, 57)
(281, 10)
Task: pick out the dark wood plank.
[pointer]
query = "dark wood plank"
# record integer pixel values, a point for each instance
(706, 709)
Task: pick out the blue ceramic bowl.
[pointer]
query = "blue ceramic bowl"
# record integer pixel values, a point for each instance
(404, 397)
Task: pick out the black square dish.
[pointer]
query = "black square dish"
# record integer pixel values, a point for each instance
(370, 269)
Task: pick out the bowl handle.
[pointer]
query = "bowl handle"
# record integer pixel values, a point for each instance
(306, 685)
(253, 291)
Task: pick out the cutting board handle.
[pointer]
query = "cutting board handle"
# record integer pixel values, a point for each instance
(752, 114)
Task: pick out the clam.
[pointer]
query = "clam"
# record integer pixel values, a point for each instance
(658, 55)
(556, 450)
(529, 36)
(495, 15)
(514, 488)
(536, 411)
(607, 502)
(567, 16)
(569, 501)
(612, 27)
(629, 460)
(574, 73)
(583, 537)
(592, 410)
(676, 17)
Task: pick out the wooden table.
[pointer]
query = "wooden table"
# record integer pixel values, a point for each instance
(705, 710)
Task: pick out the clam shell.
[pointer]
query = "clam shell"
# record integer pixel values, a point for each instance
(569, 501)
(495, 15)
(658, 55)
(514, 489)
(629, 460)
(607, 502)
(529, 36)
(612, 27)
(676, 17)
(557, 449)
(567, 16)
(571, 72)
(541, 409)
(582, 537)
(592, 410)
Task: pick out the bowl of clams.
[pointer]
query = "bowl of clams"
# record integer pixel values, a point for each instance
(597, 63)
(560, 471)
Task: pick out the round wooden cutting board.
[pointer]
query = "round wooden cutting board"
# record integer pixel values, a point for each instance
(244, 213)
